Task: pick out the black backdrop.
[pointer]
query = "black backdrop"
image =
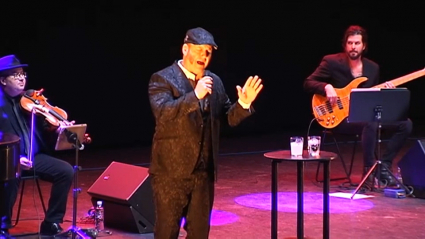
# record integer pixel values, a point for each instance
(94, 60)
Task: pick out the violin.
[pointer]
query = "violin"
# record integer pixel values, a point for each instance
(34, 100)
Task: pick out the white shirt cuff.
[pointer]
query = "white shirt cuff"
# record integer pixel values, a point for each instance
(244, 105)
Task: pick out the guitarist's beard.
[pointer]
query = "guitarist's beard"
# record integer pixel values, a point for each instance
(354, 56)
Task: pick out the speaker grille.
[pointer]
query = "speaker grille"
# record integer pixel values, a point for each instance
(412, 166)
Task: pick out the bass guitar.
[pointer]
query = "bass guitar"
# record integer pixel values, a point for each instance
(330, 116)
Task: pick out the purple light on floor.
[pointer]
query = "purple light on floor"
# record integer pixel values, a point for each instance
(313, 202)
(219, 218)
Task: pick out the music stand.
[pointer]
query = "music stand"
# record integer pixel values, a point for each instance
(72, 137)
(378, 105)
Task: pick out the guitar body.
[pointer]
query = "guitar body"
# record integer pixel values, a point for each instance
(331, 116)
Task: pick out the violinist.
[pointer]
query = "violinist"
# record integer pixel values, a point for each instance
(14, 120)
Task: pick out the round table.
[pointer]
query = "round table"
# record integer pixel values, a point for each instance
(285, 155)
(9, 157)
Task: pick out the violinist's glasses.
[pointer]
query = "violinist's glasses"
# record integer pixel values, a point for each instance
(17, 75)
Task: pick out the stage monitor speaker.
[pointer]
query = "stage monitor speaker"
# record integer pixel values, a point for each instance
(412, 166)
(127, 197)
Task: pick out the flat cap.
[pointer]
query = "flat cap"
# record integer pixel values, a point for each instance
(200, 36)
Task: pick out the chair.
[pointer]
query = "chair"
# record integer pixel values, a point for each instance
(334, 134)
(28, 175)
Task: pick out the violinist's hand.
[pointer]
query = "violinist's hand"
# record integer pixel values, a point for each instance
(25, 163)
(66, 123)
(63, 123)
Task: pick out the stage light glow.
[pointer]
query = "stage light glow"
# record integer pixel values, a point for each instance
(219, 218)
(313, 202)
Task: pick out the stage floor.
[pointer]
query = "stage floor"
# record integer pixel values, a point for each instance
(242, 201)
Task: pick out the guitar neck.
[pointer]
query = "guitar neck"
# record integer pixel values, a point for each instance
(404, 79)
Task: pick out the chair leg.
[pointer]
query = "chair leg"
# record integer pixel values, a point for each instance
(352, 157)
(41, 195)
(347, 172)
(342, 161)
(320, 163)
(18, 213)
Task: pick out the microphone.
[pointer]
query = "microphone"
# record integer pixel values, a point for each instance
(206, 98)
(207, 103)
(73, 139)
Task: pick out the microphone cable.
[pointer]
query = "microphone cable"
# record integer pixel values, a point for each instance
(309, 126)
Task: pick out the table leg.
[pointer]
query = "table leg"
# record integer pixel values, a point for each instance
(300, 200)
(326, 170)
(274, 199)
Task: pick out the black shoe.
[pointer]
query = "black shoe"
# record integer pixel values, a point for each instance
(4, 233)
(386, 178)
(50, 229)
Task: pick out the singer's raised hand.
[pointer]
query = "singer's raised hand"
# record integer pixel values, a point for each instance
(250, 90)
(203, 87)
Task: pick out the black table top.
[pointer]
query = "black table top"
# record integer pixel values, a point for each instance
(285, 155)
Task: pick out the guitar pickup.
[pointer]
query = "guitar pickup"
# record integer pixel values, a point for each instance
(339, 103)
(329, 107)
(320, 110)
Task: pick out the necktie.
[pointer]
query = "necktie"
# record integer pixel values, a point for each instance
(22, 125)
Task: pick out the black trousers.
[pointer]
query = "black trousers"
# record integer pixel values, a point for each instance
(400, 132)
(48, 168)
(176, 198)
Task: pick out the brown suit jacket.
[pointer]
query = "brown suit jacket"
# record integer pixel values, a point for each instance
(178, 129)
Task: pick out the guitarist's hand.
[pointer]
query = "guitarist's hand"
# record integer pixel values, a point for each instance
(389, 84)
(331, 94)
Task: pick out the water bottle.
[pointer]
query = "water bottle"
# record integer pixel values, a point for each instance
(99, 219)
(398, 176)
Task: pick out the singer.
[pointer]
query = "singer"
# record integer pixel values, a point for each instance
(338, 70)
(14, 121)
(188, 101)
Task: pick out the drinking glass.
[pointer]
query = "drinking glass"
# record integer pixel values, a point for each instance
(297, 143)
(313, 145)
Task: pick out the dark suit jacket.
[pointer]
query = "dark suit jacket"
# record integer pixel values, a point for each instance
(335, 70)
(178, 130)
(8, 124)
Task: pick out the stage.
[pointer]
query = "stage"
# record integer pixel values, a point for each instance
(242, 203)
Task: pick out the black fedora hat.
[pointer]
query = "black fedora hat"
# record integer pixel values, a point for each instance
(10, 62)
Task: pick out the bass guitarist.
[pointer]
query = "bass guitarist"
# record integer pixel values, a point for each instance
(337, 71)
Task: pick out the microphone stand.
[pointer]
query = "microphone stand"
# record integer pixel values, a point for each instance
(378, 165)
(74, 230)
(72, 138)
